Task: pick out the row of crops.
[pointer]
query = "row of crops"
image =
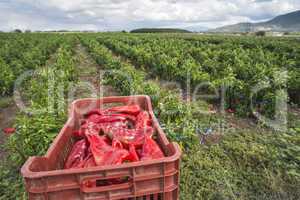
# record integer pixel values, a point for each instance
(19, 53)
(246, 164)
(238, 64)
(38, 125)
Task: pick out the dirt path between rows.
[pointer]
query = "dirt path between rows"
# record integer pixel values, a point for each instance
(9, 111)
(89, 74)
(7, 117)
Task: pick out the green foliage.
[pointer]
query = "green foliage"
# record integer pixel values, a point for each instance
(11, 185)
(239, 64)
(6, 78)
(159, 30)
(33, 136)
(260, 33)
(244, 165)
(19, 53)
(5, 102)
(36, 130)
(38, 126)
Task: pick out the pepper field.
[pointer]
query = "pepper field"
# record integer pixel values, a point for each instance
(231, 102)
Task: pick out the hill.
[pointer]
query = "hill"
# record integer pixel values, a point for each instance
(284, 23)
(159, 30)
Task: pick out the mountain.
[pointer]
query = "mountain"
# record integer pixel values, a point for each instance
(283, 23)
(196, 28)
(159, 30)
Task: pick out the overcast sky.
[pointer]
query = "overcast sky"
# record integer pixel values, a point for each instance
(106, 15)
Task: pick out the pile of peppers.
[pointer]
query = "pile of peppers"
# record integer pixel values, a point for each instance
(113, 136)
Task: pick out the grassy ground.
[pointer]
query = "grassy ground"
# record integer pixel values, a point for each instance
(90, 76)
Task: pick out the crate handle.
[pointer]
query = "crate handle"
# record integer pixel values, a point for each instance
(92, 184)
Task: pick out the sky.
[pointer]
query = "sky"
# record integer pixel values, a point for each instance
(115, 15)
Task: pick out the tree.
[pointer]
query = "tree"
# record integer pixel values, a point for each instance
(260, 33)
(18, 31)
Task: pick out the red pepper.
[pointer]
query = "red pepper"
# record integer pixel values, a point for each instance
(147, 130)
(106, 118)
(131, 110)
(151, 150)
(229, 110)
(117, 144)
(77, 155)
(93, 118)
(94, 112)
(110, 118)
(111, 127)
(103, 153)
(124, 127)
(89, 162)
(89, 128)
(9, 131)
(143, 120)
(127, 116)
(130, 136)
(133, 157)
(78, 134)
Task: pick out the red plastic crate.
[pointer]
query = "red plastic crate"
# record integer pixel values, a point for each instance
(45, 178)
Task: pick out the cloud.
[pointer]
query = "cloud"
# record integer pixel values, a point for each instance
(127, 14)
(263, 1)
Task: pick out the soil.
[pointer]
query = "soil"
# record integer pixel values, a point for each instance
(7, 117)
(89, 74)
